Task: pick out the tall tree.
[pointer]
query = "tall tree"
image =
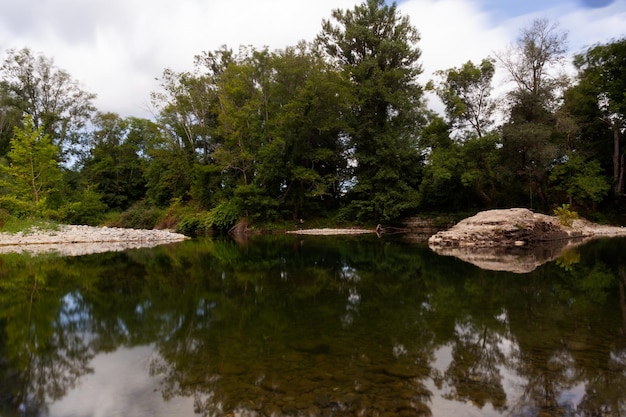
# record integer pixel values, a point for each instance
(602, 82)
(243, 113)
(304, 165)
(56, 103)
(33, 172)
(376, 47)
(114, 166)
(529, 141)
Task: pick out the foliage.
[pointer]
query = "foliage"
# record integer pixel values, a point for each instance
(376, 48)
(89, 209)
(565, 215)
(140, 215)
(582, 181)
(14, 224)
(114, 165)
(32, 84)
(332, 129)
(465, 92)
(224, 215)
(602, 84)
(33, 173)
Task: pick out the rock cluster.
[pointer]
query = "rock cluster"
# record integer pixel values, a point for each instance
(80, 240)
(506, 227)
(515, 240)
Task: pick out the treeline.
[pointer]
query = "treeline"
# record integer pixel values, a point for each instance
(335, 128)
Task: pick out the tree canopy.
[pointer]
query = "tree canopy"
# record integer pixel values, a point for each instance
(336, 128)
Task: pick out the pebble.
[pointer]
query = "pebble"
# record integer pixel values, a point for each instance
(80, 240)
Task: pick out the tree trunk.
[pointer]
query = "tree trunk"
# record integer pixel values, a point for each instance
(620, 182)
(616, 167)
(479, 188)
(622, 296)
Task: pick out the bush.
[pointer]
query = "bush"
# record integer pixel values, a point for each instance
(16, 207)
(224, 216)
(141, 216)
(194, 225)
(565, 215)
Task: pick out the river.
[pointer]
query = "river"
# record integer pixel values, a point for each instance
(311, 326)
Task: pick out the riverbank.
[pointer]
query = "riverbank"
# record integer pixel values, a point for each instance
(80, 240)
(330, 231)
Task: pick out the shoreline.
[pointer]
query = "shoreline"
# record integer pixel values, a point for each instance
(330, 231)
(74, 240)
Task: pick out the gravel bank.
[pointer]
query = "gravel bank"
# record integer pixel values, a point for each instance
(81, 240)
(330, 232)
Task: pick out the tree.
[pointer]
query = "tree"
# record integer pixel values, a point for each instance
(581, 180)
(465, 92)
(243, 113)
(376, 47)
(304, 164)
(602, 81)
(114, 166)
(529, 139)
(33, 170)
(540, 49)
(56, 103)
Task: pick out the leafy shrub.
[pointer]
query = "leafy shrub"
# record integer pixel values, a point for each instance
(225, 215)
(194, 225)
(15, 206)
(4, 216)
(141, 216)
(565, 215)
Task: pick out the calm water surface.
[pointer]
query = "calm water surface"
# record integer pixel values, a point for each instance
(311, 326)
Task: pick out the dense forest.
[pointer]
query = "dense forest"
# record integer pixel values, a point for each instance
(337, 128)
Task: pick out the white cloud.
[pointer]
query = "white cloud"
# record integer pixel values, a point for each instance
(117, 48)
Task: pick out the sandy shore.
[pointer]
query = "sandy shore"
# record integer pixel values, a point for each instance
(329, 232)
(82, 240)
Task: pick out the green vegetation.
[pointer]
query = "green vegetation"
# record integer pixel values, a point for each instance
(332, 130)
(12, 224)
(565, 215)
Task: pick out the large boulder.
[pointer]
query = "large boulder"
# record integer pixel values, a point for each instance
(506, 227)
(515, 240)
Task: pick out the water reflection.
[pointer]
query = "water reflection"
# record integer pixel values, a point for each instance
(321, 326)
(521, 260)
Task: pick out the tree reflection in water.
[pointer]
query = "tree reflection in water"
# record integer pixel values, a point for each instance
(45, 340)
(321, 326)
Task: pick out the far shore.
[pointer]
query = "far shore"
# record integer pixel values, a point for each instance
(330, 231)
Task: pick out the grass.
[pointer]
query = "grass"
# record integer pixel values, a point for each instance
(12, 224)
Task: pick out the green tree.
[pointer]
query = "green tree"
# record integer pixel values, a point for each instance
(168, 172)
(602, 82)
(244, 113)
(376, 47)
(33, 172)
(465, 92)
(10, 117)
(530, 143)
(114, 166)
(581, 180)
(304, 164)
(56, 103)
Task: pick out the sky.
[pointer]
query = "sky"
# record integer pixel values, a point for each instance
(118, 49)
